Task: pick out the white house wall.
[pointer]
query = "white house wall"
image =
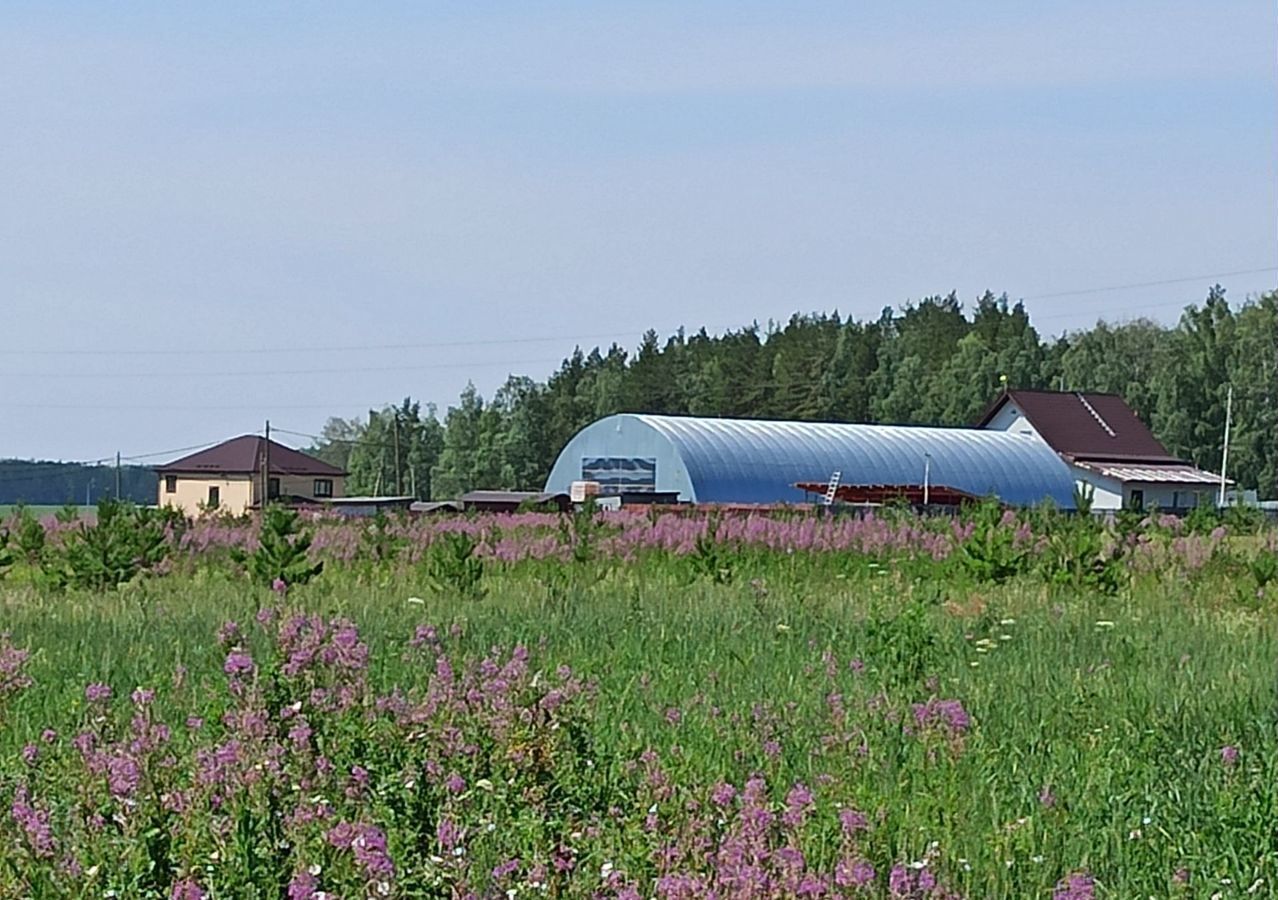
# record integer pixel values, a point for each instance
(1010, 418)
(1112, 494)
(1170, 496)
(1107, 493)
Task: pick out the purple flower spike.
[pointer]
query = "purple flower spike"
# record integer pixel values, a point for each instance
(900, 884)
(303, 886)
(238, 663)
(187, 889)
(1077, 886)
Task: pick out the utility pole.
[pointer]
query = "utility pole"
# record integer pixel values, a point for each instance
(266, 466)
(1224, 456)
(399, 475)
(117, 475)
(927, 476)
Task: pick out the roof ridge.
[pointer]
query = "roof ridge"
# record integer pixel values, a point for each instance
(1095, 415)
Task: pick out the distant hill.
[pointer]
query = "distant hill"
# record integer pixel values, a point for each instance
(55, 483)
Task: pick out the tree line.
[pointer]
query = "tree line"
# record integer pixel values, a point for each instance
(930, 362)
(55, 483)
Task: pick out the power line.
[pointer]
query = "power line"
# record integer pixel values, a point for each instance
(258, 373)
(354, 442)
(1076, 312)
(203, 407)
(1145, 284)
(484, 342)
(348, 348)
(175, 450)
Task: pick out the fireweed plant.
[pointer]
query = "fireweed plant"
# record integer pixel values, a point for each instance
(857, 711)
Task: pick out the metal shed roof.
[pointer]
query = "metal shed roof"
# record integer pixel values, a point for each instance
(756, 461)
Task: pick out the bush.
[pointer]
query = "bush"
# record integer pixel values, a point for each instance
(992, 553)
(6, 555)
(379, 540)
(125, 541)
(281, 554)
(452, 566)
(711, 557)
(27, 534)
(1081, 553)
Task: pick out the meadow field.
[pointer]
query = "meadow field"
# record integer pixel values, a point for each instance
(674, 706)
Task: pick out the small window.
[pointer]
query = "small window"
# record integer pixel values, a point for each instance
(323, 487)
(1138, 500)
(272, 488)
(215, 497)
(170, 484)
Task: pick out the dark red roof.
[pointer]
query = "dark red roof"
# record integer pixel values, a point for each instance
(243, 456)
(1082, 426)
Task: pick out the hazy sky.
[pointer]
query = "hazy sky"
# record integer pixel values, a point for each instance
(182, 185)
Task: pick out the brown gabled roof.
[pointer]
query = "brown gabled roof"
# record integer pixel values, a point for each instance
(243, 456)
(1085, 426)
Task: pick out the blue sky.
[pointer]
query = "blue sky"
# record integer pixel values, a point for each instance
(219, 178)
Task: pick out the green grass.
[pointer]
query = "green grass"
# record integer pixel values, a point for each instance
(1124, 723)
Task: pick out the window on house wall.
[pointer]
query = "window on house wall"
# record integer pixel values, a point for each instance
(170, 484)
(215, 497)
(323, 487)
(1138, 499)
(272, 488)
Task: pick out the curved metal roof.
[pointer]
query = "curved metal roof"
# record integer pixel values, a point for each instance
(754, 461)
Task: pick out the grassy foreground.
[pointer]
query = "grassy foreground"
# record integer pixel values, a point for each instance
(841, 729)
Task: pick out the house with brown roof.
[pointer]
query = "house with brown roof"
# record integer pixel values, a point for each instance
(1107, 447)
(229, 477)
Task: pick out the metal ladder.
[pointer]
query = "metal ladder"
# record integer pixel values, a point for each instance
(833, 488)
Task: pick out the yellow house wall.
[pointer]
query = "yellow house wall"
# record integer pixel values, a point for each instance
(304, 485)
(193, 490)
(238, 492)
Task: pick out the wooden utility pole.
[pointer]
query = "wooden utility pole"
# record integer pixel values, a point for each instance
(266, 466)
(399, 475)
(1224, 456)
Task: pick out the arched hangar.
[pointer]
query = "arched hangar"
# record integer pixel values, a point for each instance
(753, 461)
